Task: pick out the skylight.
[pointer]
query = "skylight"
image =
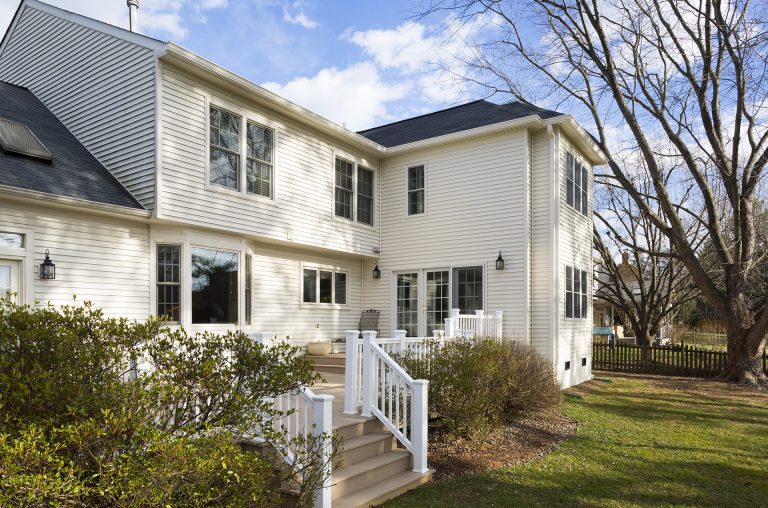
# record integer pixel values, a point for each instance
(18, 138)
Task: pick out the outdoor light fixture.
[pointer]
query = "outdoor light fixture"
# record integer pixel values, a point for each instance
(376, 272)
(47, 268)
(499, 262)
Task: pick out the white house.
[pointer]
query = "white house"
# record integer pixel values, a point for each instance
(226, 206)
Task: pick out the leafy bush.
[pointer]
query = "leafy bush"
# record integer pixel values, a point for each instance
(474, 385)
(74, 431)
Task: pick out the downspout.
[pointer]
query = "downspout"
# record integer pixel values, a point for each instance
(554, 223)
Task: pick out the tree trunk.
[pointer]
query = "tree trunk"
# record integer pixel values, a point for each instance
(745, 357)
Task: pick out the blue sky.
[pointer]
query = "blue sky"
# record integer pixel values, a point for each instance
(359, 63)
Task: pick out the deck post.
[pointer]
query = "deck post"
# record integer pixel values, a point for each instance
(322, 408)
(480, 322)
(368, 370)
(351, 375)
(420, 412)
(400, 335)
(499, 324)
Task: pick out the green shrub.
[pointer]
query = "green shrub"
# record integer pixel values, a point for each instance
(75, 431)
(473, 386)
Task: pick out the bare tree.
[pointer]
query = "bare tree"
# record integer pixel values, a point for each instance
(646, 288)
(685, 82)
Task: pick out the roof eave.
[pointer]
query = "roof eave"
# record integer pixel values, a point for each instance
(518, 123)
(80, 204)
(186, 59)
(583, 140)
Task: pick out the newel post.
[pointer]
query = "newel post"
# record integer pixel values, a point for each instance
(322, 408)
(499, 324)
(420, 412)
(351, 373)
(368, 371)
(452, 323)
(400, 335)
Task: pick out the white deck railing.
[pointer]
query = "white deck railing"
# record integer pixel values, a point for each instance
(474, 325)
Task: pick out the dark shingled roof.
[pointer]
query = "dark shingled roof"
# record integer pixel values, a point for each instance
(74, 171)
(459, 118)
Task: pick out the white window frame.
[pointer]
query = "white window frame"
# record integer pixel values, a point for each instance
(583, 293)
(407, 190)
(324, 268)
(180, 245)
(357, 164)
(577, 186)
(246, 116)
(28, 265)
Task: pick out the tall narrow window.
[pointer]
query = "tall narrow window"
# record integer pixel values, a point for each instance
(576, 302)
(326, 287)
(344, 189)
(169, 282)
(415, 190)
(340, 288)
(437, 300)
(576, 184)
(310, 286)
(364, 196)
(248, 286)
(259, 164)
(408, 303)
(468, 289)
(225, 148)
(214, 286)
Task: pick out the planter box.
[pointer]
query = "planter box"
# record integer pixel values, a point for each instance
(319, 348)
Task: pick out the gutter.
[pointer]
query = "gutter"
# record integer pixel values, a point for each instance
(80, 204)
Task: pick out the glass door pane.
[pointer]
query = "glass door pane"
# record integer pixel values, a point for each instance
(437, 300)
(9, 283)
(468, 289)
(408, 303)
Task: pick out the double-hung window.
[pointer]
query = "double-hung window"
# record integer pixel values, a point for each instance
(416, 190)
(576, 184)
(169, 282)
(259, 166)
(225, 149)
(324, 286)
(575, 293)
(353, 192)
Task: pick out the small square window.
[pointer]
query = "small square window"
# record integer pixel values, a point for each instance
(567, 365)
(583, 362)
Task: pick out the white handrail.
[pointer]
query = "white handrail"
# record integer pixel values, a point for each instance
(305, 413)
(478, 325)
(396, 399)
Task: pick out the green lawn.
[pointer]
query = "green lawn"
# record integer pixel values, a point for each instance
(641, 441)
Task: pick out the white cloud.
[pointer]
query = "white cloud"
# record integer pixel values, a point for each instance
(299, 18)
(160, 17)
(354, 96)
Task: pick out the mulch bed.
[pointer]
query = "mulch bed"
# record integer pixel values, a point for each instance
(527, 438)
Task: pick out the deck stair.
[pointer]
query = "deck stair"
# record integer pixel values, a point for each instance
(373, 469)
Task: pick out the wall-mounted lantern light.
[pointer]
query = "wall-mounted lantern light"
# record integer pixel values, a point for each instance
(376, 272)
(499, 262)
(47, 268)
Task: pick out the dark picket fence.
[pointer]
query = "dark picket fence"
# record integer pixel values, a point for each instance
(665, 360)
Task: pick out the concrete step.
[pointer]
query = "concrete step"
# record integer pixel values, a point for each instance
(365, 474)
(336, 359)
(389, 488)
(350, 427)
(363, 447)
(329, 369)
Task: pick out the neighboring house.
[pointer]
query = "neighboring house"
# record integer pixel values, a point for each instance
(231, 207)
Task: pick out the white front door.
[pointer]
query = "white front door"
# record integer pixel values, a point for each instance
(9, 280)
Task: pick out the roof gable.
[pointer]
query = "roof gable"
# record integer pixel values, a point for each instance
(73, 172)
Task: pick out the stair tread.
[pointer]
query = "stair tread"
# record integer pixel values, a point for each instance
(388, 488)
(346, 472)
(371, 437)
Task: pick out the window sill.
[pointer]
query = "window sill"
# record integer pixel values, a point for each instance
(324, 306)
(220, 189)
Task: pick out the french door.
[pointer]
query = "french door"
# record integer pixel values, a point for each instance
(424, 297)
(9, 280)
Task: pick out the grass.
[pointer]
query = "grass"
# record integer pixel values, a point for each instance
(641, 441)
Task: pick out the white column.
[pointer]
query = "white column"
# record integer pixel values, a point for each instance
(369, 369)
(351, 375)
(499, 324)
(322, 408)
(420, 413)
(400, 335)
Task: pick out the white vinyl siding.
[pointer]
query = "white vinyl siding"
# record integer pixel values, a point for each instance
(100, 259)
(102, 88)
(302, 208)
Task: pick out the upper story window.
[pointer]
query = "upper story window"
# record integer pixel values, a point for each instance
(576, 183)
(225, 149)
(324, 286)
(353, 192)
(259, 164)
(416, 190)
(575, 293)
